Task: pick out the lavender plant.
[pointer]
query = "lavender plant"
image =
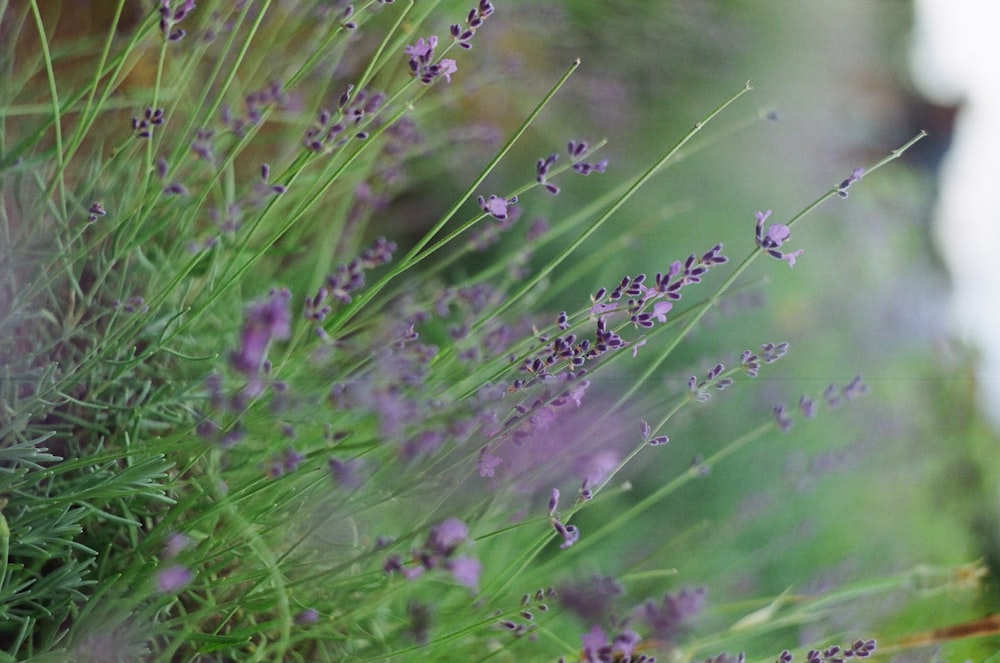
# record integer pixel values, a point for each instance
(239, 424)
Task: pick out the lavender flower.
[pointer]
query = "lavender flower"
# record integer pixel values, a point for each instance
(592, 600)
(96, 211)
(771, 241)
(670, 617)
(782, 419)
(143, 127)
(422, 65)
(346, 473)
(542, 168)
(465, 570)
(487, 462)
(169, 19)
(347, 278)
(307, 616)
(173, 578)
(569, 533)
(475, 20)
(438, 551)
(856, 175)
(496, 206)
(266, 320)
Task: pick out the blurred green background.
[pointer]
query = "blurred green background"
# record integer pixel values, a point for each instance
(906, 476)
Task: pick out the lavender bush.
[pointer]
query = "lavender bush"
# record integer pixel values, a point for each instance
(253, 412)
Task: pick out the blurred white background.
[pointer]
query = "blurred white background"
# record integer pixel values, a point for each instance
(954, 61)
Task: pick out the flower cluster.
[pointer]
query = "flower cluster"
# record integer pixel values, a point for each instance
(96, 211)
(438, 552)
(569, 533)
(353, 108)
(699, 389)
(832, 396)
(143, 127)
(769, 353)
(496, 206)
(597, 647)
(348, 278)
(576, 150)
(834, 653)
(666, 288)
(776, 235)
(663, 621)
(646, 431)
(855, 175)
(477, 16)
(422, 64)
(254, 105)
(169, 19)
(529, 604)
(265, 320)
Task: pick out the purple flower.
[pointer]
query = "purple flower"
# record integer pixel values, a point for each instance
(447, 68)
(466, 571)
(446, 536)
(173, 578)
(782, 419)
(496, 206)
(265, 321)
(421, 62)
(592, 600)
(307, 616)
(168, 19)
(776, 235)
(569, 533)
(346, 473)
(670, 617)
(553, 501)
(423, 49)
(595, 645)
(856, 175)
(660, 310)
(96, 211)
(487, 462)
(143, 127)
(176, 543)
(477, 16)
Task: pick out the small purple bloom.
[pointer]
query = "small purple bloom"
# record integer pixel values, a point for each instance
(475, 19)
(771, 241)
(856, 175)
(308, 616)
(496, 206)
(487, 462)
(173, 578)
(466, 571)
(96, 211)
(782, 419)
(423, 49)
(446, 536)
(346, 473)
(554, 501)
(569, 533)
(447, 68)
(266, 320)
(660, 310)
(670, 617)
(176, 543)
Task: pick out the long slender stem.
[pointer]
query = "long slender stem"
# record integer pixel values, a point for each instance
(56, 108)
